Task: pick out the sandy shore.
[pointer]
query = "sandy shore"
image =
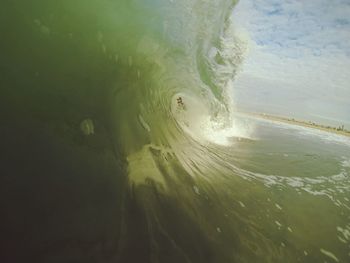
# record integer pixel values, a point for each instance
(291, 121)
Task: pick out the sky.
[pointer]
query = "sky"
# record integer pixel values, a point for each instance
(298, 59)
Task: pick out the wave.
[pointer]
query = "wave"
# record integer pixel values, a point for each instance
(177, 127)
(192, 55)
(140, 92)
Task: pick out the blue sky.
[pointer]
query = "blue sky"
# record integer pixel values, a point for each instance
(298, 59)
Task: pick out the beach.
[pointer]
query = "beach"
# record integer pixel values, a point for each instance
(307, 124)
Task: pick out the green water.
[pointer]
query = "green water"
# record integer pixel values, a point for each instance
(99, 163)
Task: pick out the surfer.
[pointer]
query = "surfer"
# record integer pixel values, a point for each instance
(180, 102)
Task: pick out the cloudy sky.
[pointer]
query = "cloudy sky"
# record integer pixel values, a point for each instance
(298, 63)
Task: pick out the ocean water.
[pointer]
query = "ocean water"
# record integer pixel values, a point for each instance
(101, 163)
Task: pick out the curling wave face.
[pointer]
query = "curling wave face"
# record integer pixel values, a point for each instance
(185, 145)
(191, 55)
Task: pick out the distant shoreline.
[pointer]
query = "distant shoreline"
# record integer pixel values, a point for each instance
(307, 124)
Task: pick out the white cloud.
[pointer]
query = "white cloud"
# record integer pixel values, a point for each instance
(287, 26)
(301, 47)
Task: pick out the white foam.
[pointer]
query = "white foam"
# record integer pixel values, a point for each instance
(327, 137)
(278, 206)
(87, 127)
(278, 224)
(197, 120)
(329, 186)
(329, 254)
(144, 124)
(196, 190)
(345, 231)
(241, 204)
(345, 163)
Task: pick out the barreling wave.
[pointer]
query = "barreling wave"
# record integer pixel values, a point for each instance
(188, 52)
(125, 108)
(173, 117)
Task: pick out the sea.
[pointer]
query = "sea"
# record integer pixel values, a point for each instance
(120, 142)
